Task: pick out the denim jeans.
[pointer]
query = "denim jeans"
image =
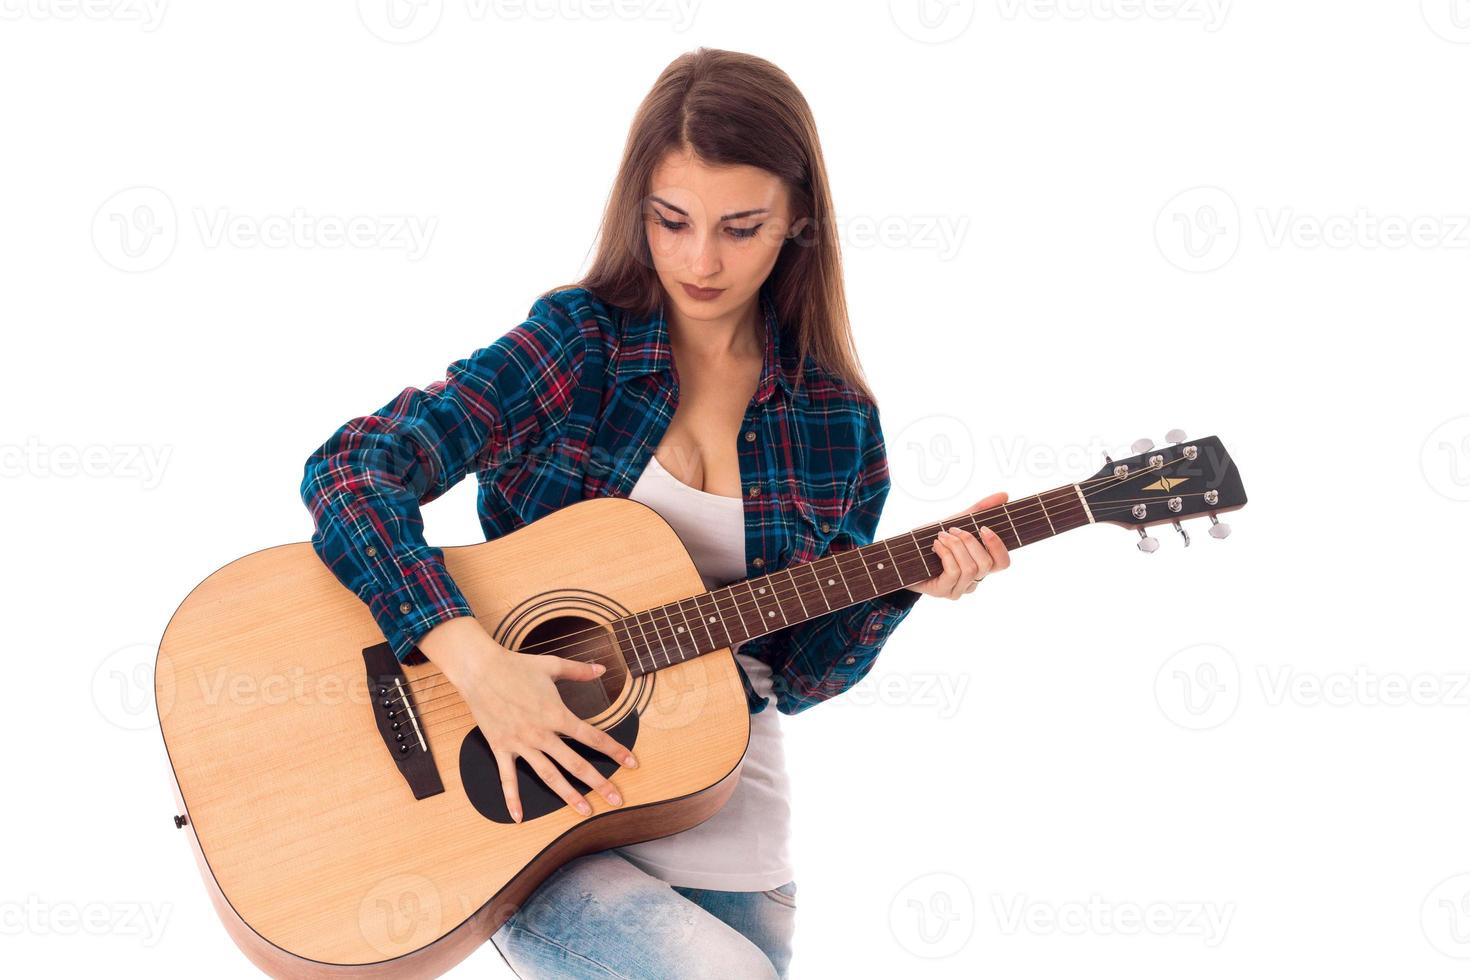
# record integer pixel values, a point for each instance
(599, 916)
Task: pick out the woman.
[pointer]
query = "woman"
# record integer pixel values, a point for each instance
(703, 366)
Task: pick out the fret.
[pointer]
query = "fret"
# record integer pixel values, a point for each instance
(892, 569)
(1012, 521)
(674, 633)
(817, 581)
(796, 587)
(740, 611)
(686, 630)
(625, 642)
(765, 589)
(1047, 516)
(663, 641)
(643, 638)
(704, 620)
(862, 559)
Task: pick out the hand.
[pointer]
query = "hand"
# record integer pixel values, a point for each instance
(967, 558)
(514, 700)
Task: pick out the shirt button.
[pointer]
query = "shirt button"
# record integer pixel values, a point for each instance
(826, 527)
(755, 491)
(372, 552)
(758, 562)
(404, 607)
(850, 660)
(750, 436)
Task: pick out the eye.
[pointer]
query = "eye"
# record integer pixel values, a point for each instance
(745, 232)
(671, 225)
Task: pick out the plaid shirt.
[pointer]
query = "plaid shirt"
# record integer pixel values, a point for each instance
(570, 405)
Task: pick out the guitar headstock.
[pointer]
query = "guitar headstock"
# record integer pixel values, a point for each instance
(1191, 478)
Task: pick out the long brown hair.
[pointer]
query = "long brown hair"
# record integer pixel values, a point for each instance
(730, 108)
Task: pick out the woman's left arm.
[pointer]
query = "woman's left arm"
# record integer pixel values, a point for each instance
(821, 657)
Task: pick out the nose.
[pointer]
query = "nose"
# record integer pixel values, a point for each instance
(705, 263)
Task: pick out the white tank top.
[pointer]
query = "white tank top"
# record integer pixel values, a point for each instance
(745, 846)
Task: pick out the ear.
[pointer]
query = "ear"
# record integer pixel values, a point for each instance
(797, 227)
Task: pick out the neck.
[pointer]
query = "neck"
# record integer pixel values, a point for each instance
(737, 332)
(678, 631)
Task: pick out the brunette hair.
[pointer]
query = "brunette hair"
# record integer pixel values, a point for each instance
(730, 108)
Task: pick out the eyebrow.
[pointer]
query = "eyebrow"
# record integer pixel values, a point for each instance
(724, 217)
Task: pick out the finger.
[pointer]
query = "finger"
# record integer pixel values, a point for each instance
(594, 737)
(947, 578)
(565, 668)
(509, 785)
(1000, 555)
(555, 781)
(974, 559)
(583, 770)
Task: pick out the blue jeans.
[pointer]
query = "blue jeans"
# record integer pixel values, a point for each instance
(599, 916)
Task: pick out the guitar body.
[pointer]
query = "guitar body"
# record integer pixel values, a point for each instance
(319, 856)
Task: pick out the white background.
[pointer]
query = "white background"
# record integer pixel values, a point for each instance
(1066, 225)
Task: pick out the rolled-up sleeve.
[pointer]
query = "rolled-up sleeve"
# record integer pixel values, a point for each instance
(364, 486)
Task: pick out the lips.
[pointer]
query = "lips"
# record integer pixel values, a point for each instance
(694, 292)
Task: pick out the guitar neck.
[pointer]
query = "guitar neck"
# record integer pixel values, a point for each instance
(678, 631)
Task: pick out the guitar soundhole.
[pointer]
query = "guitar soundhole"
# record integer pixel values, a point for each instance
(576, 638)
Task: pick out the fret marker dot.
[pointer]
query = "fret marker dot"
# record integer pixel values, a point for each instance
(880, 564)
(831, 581)
(680, 629)
(762, 590)
(771, 615)
(712, 619)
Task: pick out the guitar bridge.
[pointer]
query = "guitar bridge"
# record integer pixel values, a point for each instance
(398, 722)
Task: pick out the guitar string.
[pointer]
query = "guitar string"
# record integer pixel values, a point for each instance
(668, 636)
(1034, 505)
(421, 703)
(460, 703)
(598, 637)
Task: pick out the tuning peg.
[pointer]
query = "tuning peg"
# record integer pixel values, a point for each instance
(1183, 533)
(1217, 530)
(1174, 435)
(1142, 446)
(1147, 544)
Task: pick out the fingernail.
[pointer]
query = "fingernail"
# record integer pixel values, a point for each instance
(615, 799)
(515, 815)
(583, 808)
(985, 529)
(599, 668)
(630, 762)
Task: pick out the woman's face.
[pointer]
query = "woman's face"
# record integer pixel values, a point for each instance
(719, 228)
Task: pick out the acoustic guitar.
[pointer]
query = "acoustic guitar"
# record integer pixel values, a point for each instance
(346, 812)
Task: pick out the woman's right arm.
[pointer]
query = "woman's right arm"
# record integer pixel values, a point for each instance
(364, 487)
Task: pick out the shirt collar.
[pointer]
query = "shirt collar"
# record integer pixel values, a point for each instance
(645, 350)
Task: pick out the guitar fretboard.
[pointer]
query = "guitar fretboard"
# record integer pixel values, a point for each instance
(678, 631)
